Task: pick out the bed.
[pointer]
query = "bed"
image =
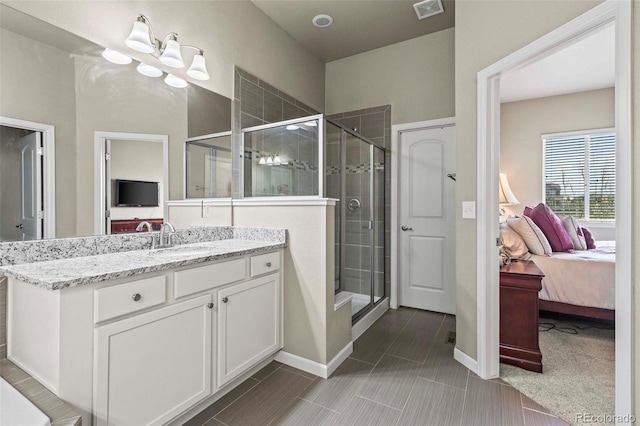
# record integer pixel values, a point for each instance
(579, 283)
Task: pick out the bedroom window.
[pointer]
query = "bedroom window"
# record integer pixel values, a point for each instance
(580, 174)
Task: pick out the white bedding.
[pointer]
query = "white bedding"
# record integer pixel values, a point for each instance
(584, 278)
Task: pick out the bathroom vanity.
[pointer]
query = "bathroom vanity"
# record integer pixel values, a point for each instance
(143, 337)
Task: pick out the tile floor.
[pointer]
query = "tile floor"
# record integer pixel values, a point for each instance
(401, 372)
(59, 412)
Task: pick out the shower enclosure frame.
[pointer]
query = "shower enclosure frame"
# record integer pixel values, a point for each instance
(371, 220)
(322, 192)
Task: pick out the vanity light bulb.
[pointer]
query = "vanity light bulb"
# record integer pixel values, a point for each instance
(139, 39)
(198, 68)
(148, 70)
(270, 161)
(171, 56)
(276, 160)
(115, 57)
(174, 81)
(262, 161)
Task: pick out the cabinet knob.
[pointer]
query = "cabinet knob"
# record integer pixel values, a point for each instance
(210, 305)
(136, 297)
(225, 299)
(268, 264)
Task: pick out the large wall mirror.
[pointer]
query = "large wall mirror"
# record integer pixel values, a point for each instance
(57, 95)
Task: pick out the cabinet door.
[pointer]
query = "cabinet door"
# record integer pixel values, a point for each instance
(248, 325)
(152, 367)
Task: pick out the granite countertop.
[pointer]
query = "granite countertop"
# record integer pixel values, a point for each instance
(63, 273)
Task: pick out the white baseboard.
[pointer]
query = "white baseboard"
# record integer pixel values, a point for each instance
(465, 360)
(367, 321)
(315, 367)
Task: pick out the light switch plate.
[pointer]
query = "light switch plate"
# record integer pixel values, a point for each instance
(468, 209)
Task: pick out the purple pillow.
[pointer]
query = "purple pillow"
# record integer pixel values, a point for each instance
(551, 226)
(588, 237)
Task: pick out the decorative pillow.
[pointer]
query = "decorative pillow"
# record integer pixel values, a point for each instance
(513, 244)
(551, 226)
(573, 229)
(532, 235)
(588, 237)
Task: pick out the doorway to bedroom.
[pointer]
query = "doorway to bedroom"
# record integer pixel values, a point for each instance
(557, 188)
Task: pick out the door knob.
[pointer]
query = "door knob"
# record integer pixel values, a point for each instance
(210, 305)
(406, 228)
(225, 299)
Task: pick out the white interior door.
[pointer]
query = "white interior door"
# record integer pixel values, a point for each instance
(31, 186)
(427, 214)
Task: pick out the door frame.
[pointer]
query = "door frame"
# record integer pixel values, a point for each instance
(48, 169)
(396, 130)
(488, 137)
(99, 194)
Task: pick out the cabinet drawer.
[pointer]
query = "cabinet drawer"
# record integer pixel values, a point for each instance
(265, 263)
(194, 280)
(111, 302)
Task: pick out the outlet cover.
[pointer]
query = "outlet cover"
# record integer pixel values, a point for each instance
(468, 209)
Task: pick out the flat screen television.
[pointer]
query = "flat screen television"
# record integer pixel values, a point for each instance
(135, 193)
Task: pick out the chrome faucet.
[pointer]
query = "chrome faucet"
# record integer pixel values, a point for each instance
(144, 224)
(161, 237)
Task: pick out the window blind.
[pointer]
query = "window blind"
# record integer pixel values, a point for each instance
(579, 175)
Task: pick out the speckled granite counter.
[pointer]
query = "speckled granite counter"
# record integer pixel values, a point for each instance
(63, 273)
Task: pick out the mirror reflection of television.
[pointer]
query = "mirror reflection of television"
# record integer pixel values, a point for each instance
(135, 193)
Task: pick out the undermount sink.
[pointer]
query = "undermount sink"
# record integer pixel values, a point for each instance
(183, 250)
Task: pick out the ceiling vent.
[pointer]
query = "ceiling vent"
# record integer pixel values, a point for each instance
(427, 8)
(322, 21)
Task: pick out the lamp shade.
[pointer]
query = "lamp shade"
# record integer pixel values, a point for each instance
(149, 70)
(115, 57)
(139, 39)
(198, 68)
(174, 81)
(505, 194)
(171, 55)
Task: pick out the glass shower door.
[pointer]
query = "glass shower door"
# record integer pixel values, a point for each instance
(358, 223)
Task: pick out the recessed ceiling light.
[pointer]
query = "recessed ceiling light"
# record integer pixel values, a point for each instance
(322, 21)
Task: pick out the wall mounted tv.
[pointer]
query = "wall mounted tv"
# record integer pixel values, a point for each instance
(135, 193)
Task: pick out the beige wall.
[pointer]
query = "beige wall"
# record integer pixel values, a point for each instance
(416, 77)
(28, 93)
(312, 329)
(137, 160)
(230, 33)
(522, 123)
(487, 31)
(636, 192)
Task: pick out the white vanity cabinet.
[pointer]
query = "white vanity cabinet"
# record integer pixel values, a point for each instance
(248, 325)
(152, 367)
(147, 349)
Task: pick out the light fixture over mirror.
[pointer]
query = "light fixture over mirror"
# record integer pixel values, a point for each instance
(116, 57)
(149, 70)
(168, 51)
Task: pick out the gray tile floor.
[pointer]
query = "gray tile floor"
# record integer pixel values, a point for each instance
(401, 372)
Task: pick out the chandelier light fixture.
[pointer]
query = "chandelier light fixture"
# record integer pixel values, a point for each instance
(168, 51)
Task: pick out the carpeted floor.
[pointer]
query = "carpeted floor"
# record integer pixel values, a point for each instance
(579, 369)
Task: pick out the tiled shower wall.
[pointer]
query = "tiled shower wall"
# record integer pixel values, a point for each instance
(256, 102)
(375, 124)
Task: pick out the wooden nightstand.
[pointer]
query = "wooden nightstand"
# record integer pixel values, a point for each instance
(520, 283)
